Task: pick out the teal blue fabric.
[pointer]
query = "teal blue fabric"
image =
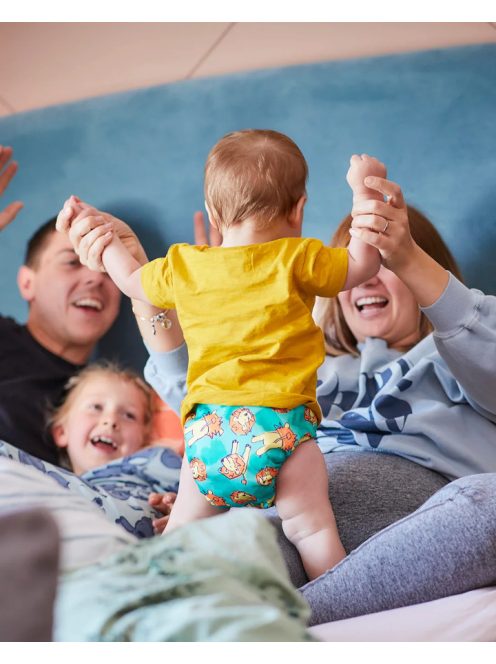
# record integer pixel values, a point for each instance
(429, 116)
(219, 579)
(236, 462)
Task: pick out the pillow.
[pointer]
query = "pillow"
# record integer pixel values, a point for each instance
(120, 489)
(86, 535)
(29, 552)
(217, 579)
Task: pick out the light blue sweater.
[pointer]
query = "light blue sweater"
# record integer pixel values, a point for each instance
(434, 405)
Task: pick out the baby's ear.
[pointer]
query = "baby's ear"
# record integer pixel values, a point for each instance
(296, 216)
(59, 435)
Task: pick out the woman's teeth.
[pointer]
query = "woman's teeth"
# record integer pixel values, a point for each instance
(370, 301)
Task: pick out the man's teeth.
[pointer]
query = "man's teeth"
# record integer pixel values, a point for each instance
(363, 301)
(104, 439)
(90, 303)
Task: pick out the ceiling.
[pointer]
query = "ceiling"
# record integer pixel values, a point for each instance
(52, 63)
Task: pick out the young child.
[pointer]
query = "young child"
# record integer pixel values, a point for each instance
(106, 414)
(245, 307)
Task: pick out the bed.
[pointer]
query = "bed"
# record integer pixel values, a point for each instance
(221, 580)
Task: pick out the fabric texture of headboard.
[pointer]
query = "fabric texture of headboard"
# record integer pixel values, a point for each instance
(428, 115)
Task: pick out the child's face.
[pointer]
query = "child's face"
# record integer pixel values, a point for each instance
(106, 421)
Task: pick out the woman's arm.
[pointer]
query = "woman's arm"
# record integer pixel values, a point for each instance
(464, 320)
(385, 226)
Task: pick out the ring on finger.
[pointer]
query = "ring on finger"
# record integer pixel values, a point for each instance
(386, 226)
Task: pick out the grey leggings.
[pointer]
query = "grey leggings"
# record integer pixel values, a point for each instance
(412, 536)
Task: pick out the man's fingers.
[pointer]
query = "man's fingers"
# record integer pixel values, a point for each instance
(200, 231)
(9, 213)
(7, 175)
(94, 255)
(5, 155)
(215, 237)
(64, 218)
(387, 188)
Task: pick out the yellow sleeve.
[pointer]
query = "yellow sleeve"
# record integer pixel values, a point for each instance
(156, 279)
(323, 270)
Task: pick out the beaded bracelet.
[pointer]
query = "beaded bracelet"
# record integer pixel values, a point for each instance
(158, 319)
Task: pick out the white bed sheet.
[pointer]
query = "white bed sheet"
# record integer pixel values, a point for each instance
(470, 616)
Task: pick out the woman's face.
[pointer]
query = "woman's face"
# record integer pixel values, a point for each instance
(382, 307)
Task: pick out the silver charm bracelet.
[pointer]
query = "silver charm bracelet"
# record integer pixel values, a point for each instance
(158, 319)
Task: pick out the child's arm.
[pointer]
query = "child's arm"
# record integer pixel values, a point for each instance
(124, 270)
(364, 260)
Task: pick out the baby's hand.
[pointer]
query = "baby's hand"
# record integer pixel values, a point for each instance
(361, 166)
(163, 502)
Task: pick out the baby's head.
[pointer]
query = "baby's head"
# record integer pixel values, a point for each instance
(105, 415)
(254, 174)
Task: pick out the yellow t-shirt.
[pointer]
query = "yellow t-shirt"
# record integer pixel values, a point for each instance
(246, 314)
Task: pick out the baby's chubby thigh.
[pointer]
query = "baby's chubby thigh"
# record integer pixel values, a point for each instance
(302, 496)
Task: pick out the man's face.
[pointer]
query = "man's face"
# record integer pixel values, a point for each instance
(71, 307)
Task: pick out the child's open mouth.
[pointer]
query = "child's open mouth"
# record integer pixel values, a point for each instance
(103, 442)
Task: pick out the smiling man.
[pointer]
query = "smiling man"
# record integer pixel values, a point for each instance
(70, 309)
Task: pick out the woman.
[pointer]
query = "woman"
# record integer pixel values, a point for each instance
(405, 412)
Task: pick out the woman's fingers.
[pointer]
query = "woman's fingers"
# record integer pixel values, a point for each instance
(377, 240)
(371, 206)
(372, 222)
(391, 190)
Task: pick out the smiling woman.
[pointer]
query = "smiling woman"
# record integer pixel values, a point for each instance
(382, 307)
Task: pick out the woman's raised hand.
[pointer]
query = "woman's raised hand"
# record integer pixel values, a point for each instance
(385, 225)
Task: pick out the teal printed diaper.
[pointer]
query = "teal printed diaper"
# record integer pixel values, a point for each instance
(235, 452)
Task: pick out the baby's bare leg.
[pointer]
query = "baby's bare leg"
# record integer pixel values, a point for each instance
(303, 504)
(190, 504)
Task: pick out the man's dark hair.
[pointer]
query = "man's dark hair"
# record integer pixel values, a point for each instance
(37, 243)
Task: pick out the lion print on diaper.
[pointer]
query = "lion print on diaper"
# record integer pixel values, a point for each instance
(235, 453)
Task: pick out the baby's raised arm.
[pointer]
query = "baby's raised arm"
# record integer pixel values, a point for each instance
(364, 260)
(115, 255)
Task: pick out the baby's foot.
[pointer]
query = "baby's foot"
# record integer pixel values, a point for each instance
(361, 166)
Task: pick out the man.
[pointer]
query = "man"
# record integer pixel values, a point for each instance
(70, 309)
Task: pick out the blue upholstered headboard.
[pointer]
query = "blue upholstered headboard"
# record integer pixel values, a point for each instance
(431, 116)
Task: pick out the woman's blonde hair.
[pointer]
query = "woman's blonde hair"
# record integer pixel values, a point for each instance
(102, 368)
(339, 339)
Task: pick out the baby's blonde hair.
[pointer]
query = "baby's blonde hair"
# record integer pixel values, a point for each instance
(257, 173)
(101, 368)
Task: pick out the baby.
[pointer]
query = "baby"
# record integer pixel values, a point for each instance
(245, 307)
